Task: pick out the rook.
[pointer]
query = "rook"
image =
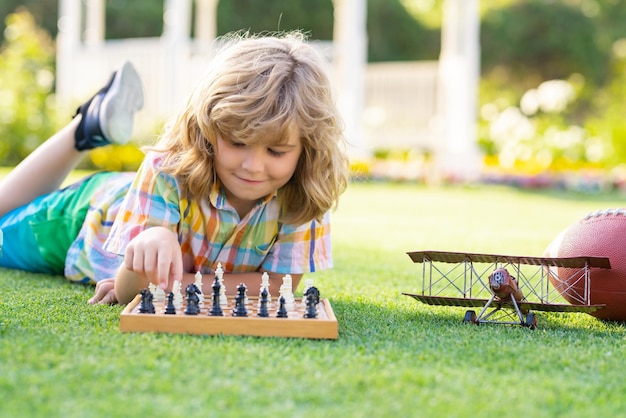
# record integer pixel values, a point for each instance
(146, 302)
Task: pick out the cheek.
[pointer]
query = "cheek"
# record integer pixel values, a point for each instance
(288, 168)
(225, 157)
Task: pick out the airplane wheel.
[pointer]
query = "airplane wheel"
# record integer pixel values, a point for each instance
(470, 317)
(531, 320)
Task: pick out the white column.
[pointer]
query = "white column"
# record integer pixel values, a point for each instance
(349, 61)
(94, 22)
(176, 20)
(176, 32)
(69, 22)
(206, 20)
(459, 74)
(68, 43)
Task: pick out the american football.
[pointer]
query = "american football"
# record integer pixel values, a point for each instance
(599, 234)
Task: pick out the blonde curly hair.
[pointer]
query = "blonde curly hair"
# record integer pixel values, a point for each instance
(259, 87)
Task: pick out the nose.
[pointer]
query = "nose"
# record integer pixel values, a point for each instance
(253, 161)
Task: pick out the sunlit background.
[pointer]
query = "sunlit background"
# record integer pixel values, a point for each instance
(550, 99)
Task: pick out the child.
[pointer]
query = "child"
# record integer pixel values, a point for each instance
(244, 176)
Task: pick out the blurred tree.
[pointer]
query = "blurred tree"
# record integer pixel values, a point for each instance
(537, 40)
(133, 19)
(609, 108)
(44, 12)
(523, 43)
(395, 35)
(518, 35)
(27, 114)
(313, 16)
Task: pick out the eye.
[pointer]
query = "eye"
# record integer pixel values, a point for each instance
(275, 152)
(236, 144)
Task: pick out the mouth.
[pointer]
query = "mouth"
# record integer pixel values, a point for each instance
(249, 181)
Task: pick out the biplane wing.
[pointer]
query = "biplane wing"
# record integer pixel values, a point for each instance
(463, 280)
(458, 257)
(524, 306)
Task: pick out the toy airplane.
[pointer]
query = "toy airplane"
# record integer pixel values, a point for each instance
(507, 288)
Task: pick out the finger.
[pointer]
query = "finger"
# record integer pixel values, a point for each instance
(163, 270)
(137, 262)
(101, 291)
(128, 257)
(176, 267)
(109, 298)
(150, 267)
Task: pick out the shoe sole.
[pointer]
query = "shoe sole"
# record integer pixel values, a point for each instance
(121, 101)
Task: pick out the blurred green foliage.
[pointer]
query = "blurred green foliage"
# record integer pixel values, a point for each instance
(524, 43)
(536, 41)
(276, 16)
(609, 108)
(27, 111)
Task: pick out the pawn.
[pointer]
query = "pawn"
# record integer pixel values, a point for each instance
(282, 310)
(263, 311)
(170, 309)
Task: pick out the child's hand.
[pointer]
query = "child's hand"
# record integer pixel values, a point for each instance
(105, 292)
(155, 254)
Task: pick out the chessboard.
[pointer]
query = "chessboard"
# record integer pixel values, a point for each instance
(296, 324)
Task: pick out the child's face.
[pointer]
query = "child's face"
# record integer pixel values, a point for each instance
(251, 172)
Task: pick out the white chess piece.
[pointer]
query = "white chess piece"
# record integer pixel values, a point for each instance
(265, 284)
(287, 292)
(178, 296)
(198, 282)
(219, 272)
(158, 295)
(308, 283)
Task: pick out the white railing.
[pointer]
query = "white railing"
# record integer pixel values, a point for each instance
(400, 97)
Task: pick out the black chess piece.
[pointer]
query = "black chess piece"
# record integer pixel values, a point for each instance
(263, 310)
(194, 287)
(146, 307)
(313, 291)
(170, 309)
(193, 300)
(240, 301)
(216, 309)
(311, 307)
(282, 310)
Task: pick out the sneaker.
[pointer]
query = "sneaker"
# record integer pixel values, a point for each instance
(107, 118)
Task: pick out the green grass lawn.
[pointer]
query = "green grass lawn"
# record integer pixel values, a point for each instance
(60, 357)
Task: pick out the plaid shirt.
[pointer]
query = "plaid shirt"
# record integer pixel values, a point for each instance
(209, 231)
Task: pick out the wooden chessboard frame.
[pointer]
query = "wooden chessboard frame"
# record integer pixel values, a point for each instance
(325, 326)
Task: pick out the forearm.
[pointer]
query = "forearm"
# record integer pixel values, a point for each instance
(128, 284)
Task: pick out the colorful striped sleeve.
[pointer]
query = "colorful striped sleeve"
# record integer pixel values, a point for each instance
(301, 249)
(153, 200)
